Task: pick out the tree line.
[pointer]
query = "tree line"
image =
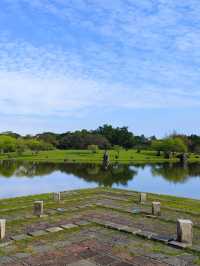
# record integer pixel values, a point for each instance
(104, 137)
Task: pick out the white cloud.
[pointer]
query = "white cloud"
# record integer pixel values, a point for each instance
(133, 55)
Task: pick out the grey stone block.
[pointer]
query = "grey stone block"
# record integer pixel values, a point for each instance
(184, 231)
(155, 208)
(2, 228)
(38, 208)
(143, 197)
(57, 196)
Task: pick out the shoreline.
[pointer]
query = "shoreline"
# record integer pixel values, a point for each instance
(85, 156)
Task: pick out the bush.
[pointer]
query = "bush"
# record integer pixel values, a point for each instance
(93, 148)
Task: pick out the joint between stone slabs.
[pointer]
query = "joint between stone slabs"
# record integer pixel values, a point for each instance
(179, 245)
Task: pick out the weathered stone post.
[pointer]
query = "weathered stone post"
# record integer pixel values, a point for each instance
(143, 197)
(2, 228)
(156, 208)
(184, 231)
(57, 196)
(38, 208)
(105, 160)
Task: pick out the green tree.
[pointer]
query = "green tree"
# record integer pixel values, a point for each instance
(7, 144)
(169, 145)
(117, 136)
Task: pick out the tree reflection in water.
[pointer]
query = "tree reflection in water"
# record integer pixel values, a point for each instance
(176, 172)
(114, 174)
(118, 174)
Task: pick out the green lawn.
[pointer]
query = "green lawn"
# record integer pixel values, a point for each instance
(86, 156)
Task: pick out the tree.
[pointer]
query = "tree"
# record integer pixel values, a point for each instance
(169, 145)
(7, 144)
(81, 140)
(48, 137)
(20, 146)
(36, 145)
(117, 136)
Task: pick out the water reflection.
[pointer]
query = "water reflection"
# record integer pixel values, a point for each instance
(23, 178)
(176, 173)
(115, 174)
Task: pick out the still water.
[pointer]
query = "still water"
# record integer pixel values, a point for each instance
(24, 178)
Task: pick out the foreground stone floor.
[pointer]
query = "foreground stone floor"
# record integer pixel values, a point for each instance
(97, 227)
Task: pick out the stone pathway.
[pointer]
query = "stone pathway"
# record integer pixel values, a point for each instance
(95, 229)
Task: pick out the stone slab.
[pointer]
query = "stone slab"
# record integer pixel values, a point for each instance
(37, 233)
(73, 209)
(111, 225)
(43, 216)
(61, 210)
(5, 260)
(69, 226)
(161, 238)
(177, 244)
(133, 230)
(54, 229)
(22, 255)
(83, 263)
(82, 223)
(151, 216)
(105, 260)
(5, 244)
(146, 234)
(20, 237)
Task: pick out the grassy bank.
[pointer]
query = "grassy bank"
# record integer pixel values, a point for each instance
(86, 156)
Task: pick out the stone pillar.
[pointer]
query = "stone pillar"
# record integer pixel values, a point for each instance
(156, 208)
(38, 208)
(2, 228)
(184, 231)
(143, 197)
(57, 196)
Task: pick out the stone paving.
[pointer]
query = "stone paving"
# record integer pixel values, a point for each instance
(95, 227)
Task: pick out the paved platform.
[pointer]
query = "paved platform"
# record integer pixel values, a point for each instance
(95, 227)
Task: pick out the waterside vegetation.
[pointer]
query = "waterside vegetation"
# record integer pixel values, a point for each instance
(88, 146)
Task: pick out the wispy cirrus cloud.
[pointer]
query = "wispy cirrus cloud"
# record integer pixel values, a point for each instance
(64, 57)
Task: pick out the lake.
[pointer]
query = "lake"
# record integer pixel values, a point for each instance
(25, 178)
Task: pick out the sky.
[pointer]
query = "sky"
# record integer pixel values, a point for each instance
(68, 65)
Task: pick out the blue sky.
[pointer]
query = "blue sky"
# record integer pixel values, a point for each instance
(67, 65)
